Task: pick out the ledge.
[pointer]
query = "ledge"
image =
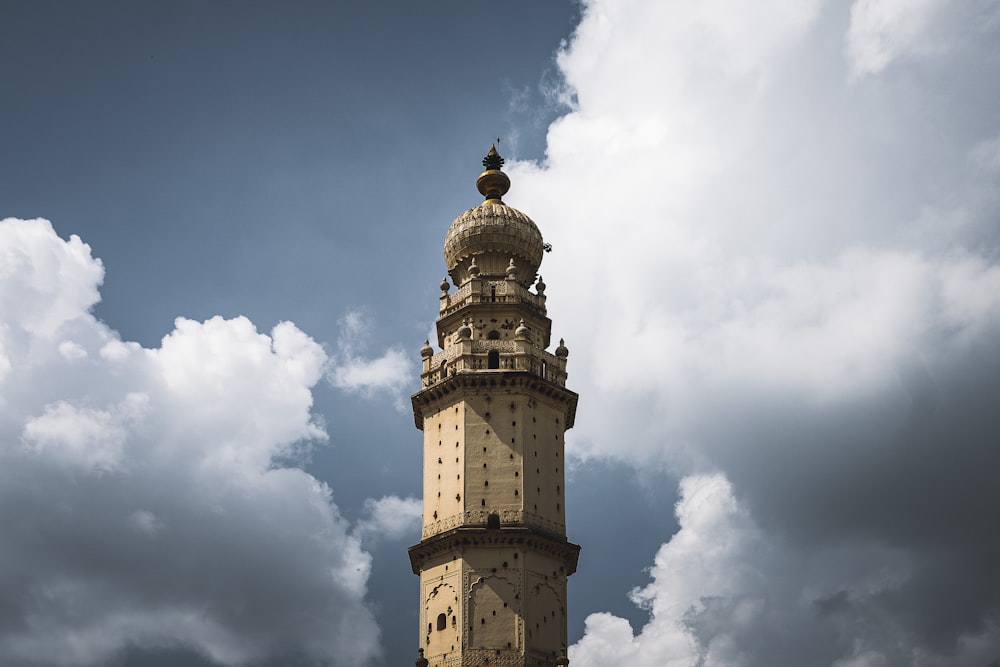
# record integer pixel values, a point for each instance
(458, 539)
(483, 382)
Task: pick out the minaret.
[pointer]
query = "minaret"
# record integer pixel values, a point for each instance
(493, 405)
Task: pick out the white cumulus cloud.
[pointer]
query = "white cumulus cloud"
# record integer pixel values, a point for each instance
(350, 370)
(145, 496)
(390, 518)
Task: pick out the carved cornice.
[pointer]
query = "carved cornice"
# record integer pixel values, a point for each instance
(481, 383)
(492, 658)
(457, 540)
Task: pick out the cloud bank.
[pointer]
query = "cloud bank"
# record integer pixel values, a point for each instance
(147, 496)
(775, 244)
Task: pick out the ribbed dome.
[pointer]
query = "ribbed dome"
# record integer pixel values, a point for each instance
(493, 233)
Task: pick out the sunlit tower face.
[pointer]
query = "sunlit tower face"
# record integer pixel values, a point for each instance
(493, 405)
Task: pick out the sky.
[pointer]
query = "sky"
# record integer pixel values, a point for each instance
(776, 265)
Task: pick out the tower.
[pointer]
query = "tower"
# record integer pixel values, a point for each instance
(493, 406)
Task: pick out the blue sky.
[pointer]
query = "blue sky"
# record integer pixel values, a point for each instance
(775, 265)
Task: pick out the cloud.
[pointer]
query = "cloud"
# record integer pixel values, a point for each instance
(883, 30)
(776, 260)
(146, 495)
(390, 518)
(348, 370)
(724, 592)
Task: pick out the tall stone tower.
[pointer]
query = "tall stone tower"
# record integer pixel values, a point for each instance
(493, 405)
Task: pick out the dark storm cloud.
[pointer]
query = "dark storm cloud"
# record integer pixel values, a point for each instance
(784, 281)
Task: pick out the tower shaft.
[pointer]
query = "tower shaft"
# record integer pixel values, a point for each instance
(493, 559)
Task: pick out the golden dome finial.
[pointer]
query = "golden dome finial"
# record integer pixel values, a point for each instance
(493, 183)
(493, 160)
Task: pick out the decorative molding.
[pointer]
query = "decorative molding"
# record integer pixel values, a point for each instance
(456, 387)
(457, 540)
(479, 516)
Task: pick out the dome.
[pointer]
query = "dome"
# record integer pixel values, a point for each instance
(492, 235)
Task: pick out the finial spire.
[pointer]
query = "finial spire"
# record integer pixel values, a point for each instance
(493, 159)
(493, 183)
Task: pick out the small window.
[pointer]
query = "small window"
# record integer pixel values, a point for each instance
(442, 622)
(493, 335)
(493, 522)
(493, 359)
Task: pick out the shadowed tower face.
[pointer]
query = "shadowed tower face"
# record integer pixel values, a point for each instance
(493, 557)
